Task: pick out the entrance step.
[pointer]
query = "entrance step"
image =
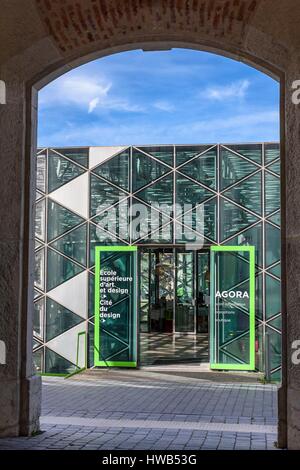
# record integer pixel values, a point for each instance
(186, 374)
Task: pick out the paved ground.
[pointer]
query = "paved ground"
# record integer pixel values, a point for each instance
(142, 410)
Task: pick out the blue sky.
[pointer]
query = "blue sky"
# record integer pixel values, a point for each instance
(179, 96)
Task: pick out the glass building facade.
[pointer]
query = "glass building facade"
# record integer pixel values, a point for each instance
(173, 202)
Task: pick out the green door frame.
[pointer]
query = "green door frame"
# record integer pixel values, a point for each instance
(251, 250)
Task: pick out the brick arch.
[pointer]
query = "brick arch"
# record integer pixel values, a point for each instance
(78, 24)
(83, 30)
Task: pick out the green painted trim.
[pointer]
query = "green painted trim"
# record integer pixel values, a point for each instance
(245, 367)
(75, 372)
(49, 374)
(232, 248)
(251, 251)
(85, 349)
(98, 250)
(116, 364)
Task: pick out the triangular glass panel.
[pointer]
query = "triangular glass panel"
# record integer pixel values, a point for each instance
(273, 245)
(239, 348)
(59, 319)
(38, 195)
(115, 220)
(38, 318)
(272, 151)
(37, 294)
(40, 217)
(103, 195)
(276, 270)
(163, 153)
(145, 221)
(100, 237)
(159, 194)
(37, 244)
(73, 244)
(234, 270)
(272, 193)
(56, 364)
(111, 346)
(251, 151)
(41, 169)
(275, 218)
(59, 269)
(91, 295)
(116, 170)
(39, 269)
(186, 152)
(145, 170)
(189, 194)
(276, 323)
(233, 168)
(60, 220)
(203, 168)
(276, 375)
(250, 237)
(233, 219)
(184, 234)
(275, 167)
(37, 359)
(61, 171)
(36, 344)
(248, 193)
(201, 218)
(275, 348)
(259, 296)
(273, 297)
(78, 154)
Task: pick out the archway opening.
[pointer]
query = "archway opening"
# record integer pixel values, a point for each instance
(171, 154)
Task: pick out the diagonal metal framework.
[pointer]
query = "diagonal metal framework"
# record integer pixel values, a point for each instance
(236, 185)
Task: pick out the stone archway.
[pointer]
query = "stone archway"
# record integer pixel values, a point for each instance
(52, 38)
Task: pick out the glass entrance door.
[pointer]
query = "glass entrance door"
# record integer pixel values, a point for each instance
(185, 301)
(174, 304)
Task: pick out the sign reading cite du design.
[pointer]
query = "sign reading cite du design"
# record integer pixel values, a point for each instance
(115, 332)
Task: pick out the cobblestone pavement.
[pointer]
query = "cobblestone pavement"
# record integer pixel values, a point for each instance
(152, 411)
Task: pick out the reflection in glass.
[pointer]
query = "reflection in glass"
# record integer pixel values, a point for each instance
(40, 213)
(38, 318)
(145, 170)
(60, 220)
(61, 171)
(116, 170)
(39, 272)
(41, 172)
(59, 269)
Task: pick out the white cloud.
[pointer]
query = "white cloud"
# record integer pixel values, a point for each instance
(164, 106)
(232, 90)
(84, 92)
(93, 104)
